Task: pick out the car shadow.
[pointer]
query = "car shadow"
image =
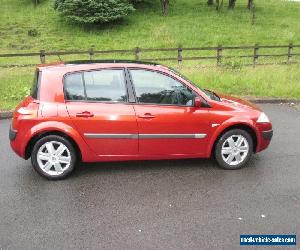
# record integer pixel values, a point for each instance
(143, 166)
(178, 166)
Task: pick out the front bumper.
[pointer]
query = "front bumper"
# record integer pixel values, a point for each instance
(264, 137)
(267, 135)
(12, 134)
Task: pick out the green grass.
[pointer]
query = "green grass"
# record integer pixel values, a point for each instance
(15, 83)
(264, 81)
(190, 23)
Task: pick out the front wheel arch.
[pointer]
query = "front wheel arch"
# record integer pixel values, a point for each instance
(40, 135)
(247, 128)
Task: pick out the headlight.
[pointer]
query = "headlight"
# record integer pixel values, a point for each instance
(263, 118)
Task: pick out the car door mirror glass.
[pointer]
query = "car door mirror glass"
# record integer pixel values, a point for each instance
(197, 102)
(200, 102)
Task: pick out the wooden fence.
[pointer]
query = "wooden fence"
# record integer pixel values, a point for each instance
(217, 54)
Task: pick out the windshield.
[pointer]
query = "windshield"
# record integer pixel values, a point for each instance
(212, 95)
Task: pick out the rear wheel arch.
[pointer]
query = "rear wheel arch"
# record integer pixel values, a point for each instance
(241, 126)
(40, 135)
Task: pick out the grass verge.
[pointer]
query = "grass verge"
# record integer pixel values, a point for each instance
(279, 81)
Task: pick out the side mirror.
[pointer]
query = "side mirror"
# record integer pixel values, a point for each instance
(200, 102)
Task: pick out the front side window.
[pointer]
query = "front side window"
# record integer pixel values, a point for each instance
(102, 85)
(156, 88)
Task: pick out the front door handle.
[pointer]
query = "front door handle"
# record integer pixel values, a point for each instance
(147, 116)
(85, 114)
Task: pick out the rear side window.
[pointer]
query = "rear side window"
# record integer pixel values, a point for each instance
(101, 85)
(74, 89)
(105, 86)
(35, 85)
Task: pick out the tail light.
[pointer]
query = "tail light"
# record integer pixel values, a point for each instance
(26, 110)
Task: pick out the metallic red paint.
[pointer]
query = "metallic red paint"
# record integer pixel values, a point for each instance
(52, 114)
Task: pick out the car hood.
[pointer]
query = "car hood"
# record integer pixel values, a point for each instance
(236, 102)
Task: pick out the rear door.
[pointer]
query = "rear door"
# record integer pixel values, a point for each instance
(97, 102)
(168, 122)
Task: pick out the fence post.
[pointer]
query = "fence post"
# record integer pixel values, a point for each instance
(290, 50)
(42, 56)
(255, 54)
(219, 55)
(179, 55)
(137, 53)
(91, 53)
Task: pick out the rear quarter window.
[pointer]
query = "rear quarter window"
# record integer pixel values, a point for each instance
(35, 85)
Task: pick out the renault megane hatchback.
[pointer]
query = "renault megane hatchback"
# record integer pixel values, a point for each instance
(122, 110)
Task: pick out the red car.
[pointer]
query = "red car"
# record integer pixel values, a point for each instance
(122, 110)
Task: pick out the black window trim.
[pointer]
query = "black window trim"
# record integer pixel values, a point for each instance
(130, 87)
(37, 86)
(162, 73)
(83, 81)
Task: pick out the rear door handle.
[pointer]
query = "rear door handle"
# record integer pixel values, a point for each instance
(146, 116)
(85, 114)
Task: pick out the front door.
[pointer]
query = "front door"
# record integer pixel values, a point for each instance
(97, 103)
(168, 122)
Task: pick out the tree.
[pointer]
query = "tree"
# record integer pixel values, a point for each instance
(250, 4)
(164, 7)
(93, 11)
(231, 4)
(210, 2)
(219, 4)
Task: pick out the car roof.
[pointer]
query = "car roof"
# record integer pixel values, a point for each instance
(71, 66)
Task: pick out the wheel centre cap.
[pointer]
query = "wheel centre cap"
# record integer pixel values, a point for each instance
(54, 158)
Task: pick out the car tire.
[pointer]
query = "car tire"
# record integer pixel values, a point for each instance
(53, 157)
(234, 149)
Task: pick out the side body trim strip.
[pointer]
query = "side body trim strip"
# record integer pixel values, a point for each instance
(171, 136)
(111, 136)
(145, 136)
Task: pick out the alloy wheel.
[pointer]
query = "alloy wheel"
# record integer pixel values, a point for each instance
(53, 158)
(235, 149)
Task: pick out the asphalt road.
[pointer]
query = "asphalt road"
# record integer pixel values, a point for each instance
(182, 204)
